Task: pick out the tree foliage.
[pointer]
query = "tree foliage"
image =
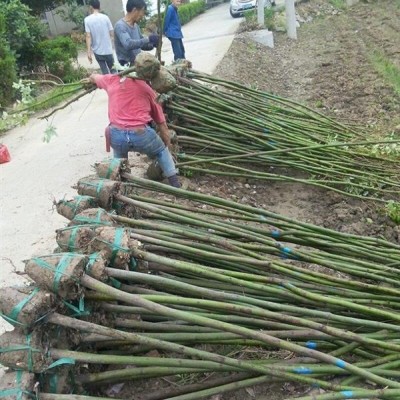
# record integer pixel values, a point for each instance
(39, 6)
(23, 32)
(7, 67)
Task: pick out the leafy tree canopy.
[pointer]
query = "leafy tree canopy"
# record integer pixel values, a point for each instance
(40, 6)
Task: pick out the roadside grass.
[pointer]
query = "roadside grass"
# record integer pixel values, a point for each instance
(339, 4)
(387, 69)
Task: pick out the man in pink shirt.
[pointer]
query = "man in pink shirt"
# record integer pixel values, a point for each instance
(131, 107)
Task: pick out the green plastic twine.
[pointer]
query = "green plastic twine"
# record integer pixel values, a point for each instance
(59, 269)
(73, 205)
(79, 311)
(114, 163)
(97, 220)
(12, 317)
(92, 259)
(98, 186)
(22, 347)
(18, 391)
(117, 244)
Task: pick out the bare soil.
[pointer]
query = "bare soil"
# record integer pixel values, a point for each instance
(328, 68)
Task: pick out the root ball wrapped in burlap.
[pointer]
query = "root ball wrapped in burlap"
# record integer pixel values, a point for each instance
(69, 208)
(92, 216)
(23, 306)
(146, 66)
(96, 266)
(60, 382)
(114, 245)
(20, 351)
(163, 82)
(58, 273)
(75, 238)
(112, 169)
(17, 385)
(101, 189)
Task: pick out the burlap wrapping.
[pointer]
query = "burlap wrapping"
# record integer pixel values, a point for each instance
(114, 244)
(146, 66)
(60, 381)
(23, 306)
(164, 81)
(180, 68)
(58, 273)
(20, 351)
(96, 266)
(101, 189)
(69, 208)
(75, 238)
(97, 216)
(112, 169)
(17, 385)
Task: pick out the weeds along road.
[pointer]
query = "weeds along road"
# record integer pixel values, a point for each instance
(40, 172)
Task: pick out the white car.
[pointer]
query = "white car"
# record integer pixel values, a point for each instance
(238, 7)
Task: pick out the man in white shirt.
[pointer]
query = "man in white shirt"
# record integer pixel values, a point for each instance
(99, 38)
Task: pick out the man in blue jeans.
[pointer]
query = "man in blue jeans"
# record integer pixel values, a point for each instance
(131, 107)
(173, 30)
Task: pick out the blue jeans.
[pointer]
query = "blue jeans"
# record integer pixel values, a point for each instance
(123, 141)
(177, 48)
(106, 63)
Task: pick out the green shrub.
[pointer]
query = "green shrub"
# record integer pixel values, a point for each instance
(75, 13)
(23, 33)
(58, 54)
(7, 68)
(186, 13)
(190, 10)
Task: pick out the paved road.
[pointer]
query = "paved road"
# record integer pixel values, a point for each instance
(40, 172)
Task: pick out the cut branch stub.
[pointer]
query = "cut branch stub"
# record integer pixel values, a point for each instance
(114, 244)
(102, 189)
(92, 216)
(69, 208)
(23, 306)
(17, 385)
(75, 238)
(59, 273)
(20, 351)
(112, 169)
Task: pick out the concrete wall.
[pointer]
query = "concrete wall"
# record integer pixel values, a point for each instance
(57, 26)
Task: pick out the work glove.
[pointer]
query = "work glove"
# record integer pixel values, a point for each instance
(153, 39)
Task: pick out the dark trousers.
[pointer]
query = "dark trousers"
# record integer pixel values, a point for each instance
(177, 48)
(106, 63)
